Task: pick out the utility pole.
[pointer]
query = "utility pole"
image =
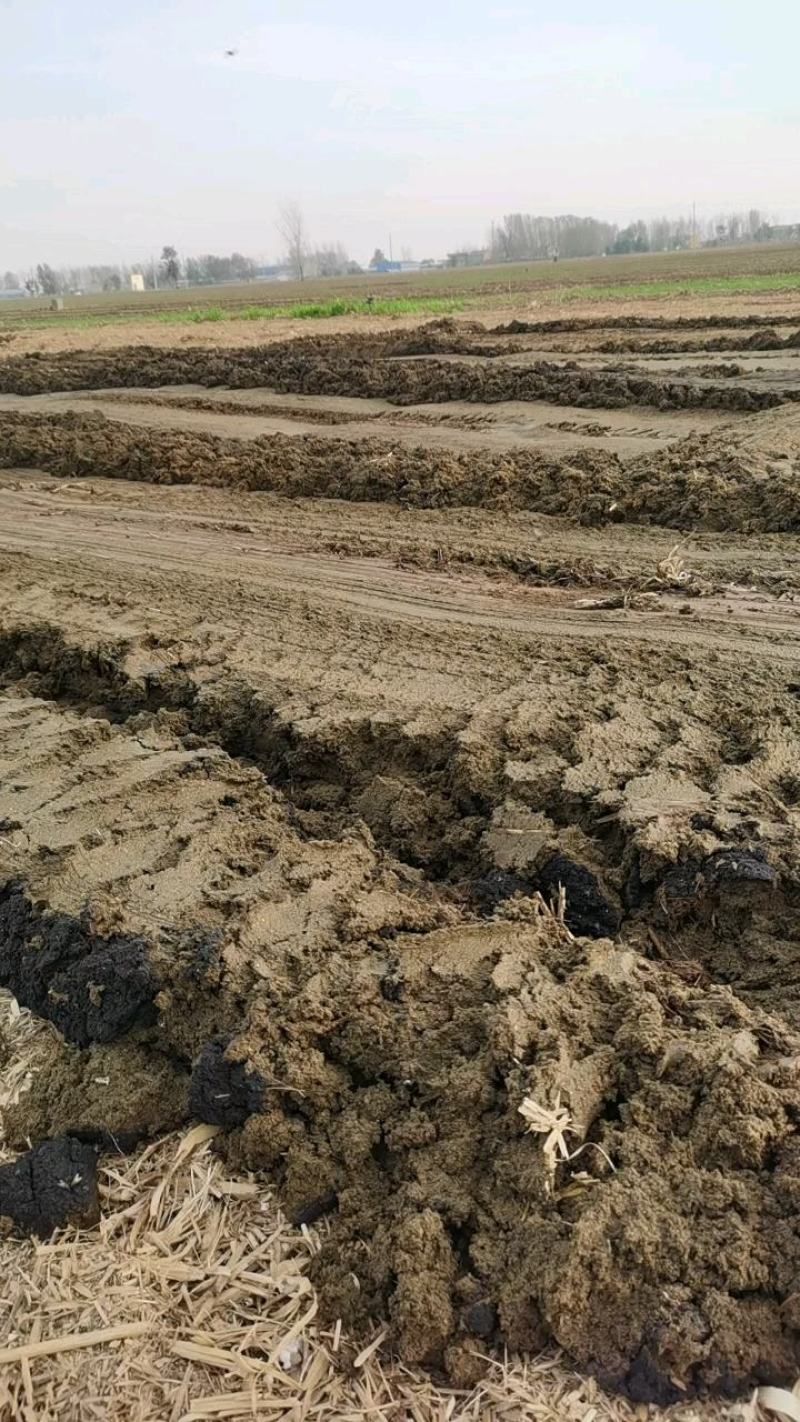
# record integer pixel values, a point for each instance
(390, 247)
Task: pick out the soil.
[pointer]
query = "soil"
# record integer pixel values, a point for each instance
(92, 988)
(404, 368)
(335, 813)
(51, 1186)
(708, 481)
(583, 320)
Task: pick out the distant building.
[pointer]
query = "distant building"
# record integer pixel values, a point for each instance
(474, 258)
(13, 295)
(137, 281)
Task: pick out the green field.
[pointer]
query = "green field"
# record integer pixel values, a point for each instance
(745, 270)
(318, 310)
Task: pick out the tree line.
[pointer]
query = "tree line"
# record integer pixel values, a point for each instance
(518, 237)
(522, 236)
(168, 270)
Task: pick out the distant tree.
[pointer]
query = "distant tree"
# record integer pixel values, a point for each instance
(523, 236)
(47, 280)
(11, 281)
(215, 268)
(332, 261)
(242, 268)
(291, 225)
(112, 282)
(631, 239)
(170, 266)
(377, 259)
(209, 269)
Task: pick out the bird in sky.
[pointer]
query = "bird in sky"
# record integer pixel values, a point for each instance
(231, 52)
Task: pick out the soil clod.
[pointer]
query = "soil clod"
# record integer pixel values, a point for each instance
(588, 909)
(94, 989)
(738, 866)
(51, 1186)
(481, 1319)
(223, 1092)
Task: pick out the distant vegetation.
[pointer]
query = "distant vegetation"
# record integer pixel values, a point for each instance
(522, 288)
(517, 237)
(521, 236)
(309, 311)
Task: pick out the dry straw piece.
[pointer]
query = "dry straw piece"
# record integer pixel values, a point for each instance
(191, 1301)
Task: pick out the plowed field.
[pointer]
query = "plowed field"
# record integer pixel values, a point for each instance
(400, 769)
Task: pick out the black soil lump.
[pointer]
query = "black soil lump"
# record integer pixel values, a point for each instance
(92, 988)
(728, 876)
(223, 1093)
(589, 911)
(51, 1186)
(738, 866)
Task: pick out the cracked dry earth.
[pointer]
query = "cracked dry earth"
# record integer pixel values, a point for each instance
(372, 764)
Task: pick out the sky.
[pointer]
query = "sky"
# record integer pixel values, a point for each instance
(126, 126)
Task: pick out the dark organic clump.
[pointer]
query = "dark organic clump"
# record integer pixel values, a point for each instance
(589, 910)
(51, 1186)
(725, 874)
(223, 1092)
(496, 887)
(738, 866)
(93, 988)
(315, 1209)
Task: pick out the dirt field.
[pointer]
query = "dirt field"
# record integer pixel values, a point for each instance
(400, 745)
(509, 283)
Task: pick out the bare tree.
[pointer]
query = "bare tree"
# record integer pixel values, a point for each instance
(48, 280)
(291, 225)
(331, 261)
(170, 266)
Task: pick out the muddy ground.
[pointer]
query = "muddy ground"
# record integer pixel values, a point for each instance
(399, 730)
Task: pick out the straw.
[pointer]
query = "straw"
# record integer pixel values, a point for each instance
(191, 1300)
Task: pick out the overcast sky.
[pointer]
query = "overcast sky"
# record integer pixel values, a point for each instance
(124, 125)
